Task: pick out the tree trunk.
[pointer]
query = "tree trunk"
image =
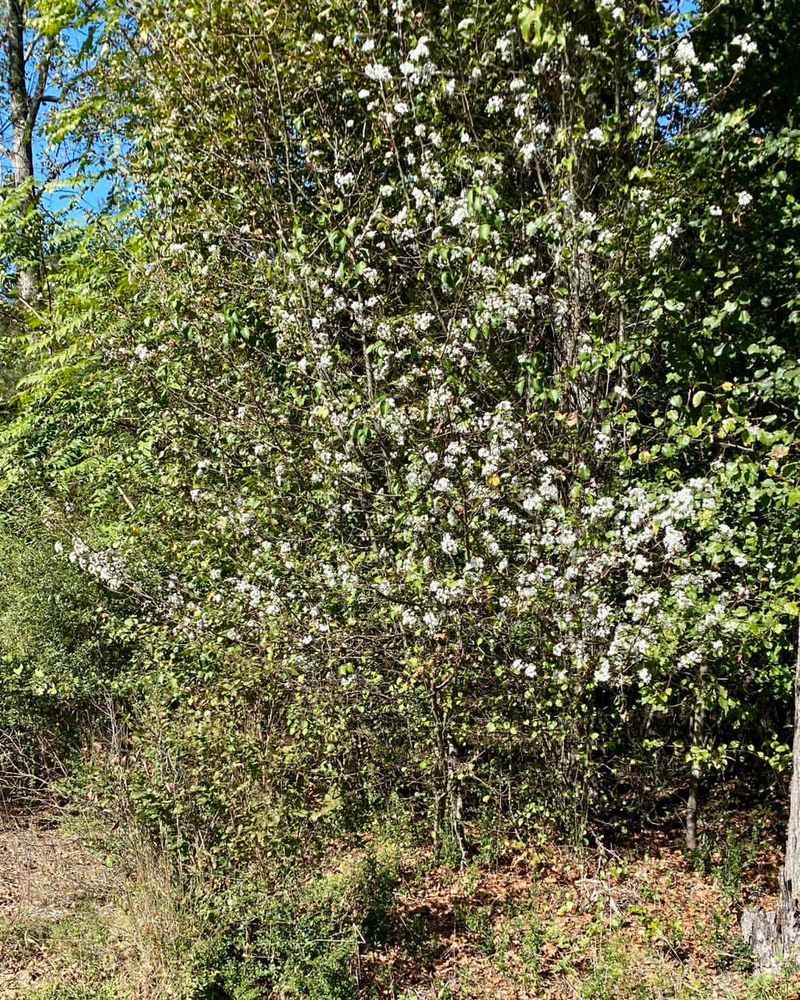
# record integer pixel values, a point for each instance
(697, 737)
(22, 115)
(691, 813)
(775, 935)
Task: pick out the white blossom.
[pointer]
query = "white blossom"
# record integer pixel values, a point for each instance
(449, 545)
(420, 50)
(378, 72)
(684, 52)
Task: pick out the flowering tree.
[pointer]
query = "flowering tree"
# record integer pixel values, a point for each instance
(432, 431)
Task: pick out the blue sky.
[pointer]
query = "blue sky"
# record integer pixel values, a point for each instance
(78, 199)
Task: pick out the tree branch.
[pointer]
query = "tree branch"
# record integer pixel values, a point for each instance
(38, 97)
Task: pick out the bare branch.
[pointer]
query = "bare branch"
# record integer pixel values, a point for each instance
(32, 47)
(38, 97)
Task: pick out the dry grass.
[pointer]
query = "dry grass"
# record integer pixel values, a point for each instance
(72, 926)
(154, 925)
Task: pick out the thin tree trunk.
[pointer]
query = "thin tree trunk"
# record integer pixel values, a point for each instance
(792, 861)
(691, 814)
(448, 821)
(23, 113)
(697, 736)
(775, 935)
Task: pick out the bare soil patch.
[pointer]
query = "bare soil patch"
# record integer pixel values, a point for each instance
(48, 880)
(45, 873)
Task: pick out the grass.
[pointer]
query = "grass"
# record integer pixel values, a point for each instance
(66, 958)
(387, 921)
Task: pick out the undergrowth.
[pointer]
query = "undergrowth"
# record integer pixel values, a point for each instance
(389, 920)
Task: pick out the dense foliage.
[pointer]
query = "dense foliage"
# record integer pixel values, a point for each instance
(419, 437)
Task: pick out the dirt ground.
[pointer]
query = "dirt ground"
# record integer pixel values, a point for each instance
(47, 879)
(44, 873)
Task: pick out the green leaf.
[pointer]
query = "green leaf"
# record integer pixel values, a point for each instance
(528, 20)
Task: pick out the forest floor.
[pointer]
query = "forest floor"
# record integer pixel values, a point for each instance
(54, 896)
(641, 923)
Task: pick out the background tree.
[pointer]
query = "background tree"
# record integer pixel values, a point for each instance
(48, 50)
(28, 57)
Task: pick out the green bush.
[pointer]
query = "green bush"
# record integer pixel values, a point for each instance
(58, 664)
(299, 938)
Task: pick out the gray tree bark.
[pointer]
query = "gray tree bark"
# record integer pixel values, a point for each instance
(774, 935)
(24, 110)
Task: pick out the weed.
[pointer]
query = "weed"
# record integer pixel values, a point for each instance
(58, 992)
(606, 978)
(729, 860)
(478, 921)
(775, 986)
(732, 951)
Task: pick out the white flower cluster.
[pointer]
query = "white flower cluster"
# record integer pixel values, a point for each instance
(662, 240)
(105, 565)
(747, 47)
